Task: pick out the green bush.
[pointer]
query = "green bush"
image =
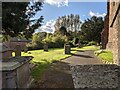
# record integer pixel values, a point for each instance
(34, 46)
(84, 42)
(71, 43)
(55, 41)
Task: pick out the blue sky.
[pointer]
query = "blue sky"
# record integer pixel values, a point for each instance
(51, 11)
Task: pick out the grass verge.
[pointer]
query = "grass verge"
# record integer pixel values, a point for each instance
(105, 56)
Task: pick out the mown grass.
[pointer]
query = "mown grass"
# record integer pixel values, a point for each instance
(44, 59)
(106, 57)
(93, 47)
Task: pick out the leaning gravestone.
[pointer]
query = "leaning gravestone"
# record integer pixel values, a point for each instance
(96, 77)
(67, 49)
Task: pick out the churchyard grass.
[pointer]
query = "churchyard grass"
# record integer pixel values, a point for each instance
(43, 59)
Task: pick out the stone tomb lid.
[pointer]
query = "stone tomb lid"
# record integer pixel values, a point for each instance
(7, 66)
(14, 62)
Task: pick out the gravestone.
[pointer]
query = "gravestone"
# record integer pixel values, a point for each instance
(17, 51)
(45, 47)
(96, 77)
(79, 44)
(67, 49)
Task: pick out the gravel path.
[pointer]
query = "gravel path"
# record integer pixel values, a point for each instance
(58, 75)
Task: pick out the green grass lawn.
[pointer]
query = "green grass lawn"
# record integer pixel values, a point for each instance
(106, 57)
(93, 47)
(44, 59)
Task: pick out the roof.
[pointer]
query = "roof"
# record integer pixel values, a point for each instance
(4, 47)
(19, 39)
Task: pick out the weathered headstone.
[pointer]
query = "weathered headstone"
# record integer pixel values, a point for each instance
(45, 47)
(67, 49)
(25, 49)
(79, 44)
(96, 77)
(17, 50)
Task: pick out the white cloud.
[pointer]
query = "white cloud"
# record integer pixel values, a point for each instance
(58, 3)
(91, 13)
(48, 27)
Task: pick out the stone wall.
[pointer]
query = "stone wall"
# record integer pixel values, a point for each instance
(104, 33)
(96, 77)
(114, 30)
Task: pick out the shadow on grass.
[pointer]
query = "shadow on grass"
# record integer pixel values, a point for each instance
(39, 69)
(78, 50)
(57, 75)
(84, 56)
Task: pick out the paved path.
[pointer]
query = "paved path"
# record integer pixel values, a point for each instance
(58, 75)
(82, 58)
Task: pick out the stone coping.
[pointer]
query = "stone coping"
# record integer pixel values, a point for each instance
(14, 63)
(98, 77)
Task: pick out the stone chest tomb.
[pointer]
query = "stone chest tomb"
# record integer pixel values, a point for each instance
(15, 71)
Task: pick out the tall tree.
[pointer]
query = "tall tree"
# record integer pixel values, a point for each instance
(16, 18)
(92, 28)
(70, 22)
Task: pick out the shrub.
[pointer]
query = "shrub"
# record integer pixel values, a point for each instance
(84, 42)
(34, 46)
(55, 41)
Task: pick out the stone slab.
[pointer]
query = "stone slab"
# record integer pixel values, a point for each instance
(9, 65)
(14, 63)
(98, 77)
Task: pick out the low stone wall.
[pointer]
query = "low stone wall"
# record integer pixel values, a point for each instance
(96, 77)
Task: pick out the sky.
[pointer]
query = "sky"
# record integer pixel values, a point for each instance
(52, 9)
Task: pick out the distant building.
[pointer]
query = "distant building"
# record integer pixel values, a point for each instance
(17, 41)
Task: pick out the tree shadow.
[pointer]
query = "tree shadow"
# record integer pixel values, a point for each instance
(78, 50)
(56, 75)
(84, 56)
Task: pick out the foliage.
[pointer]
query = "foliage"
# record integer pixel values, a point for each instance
(92, 28)
(55, 41)
(70, 22)
(62, 31)
(38, 37)
(37, 41)
(17, 18)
